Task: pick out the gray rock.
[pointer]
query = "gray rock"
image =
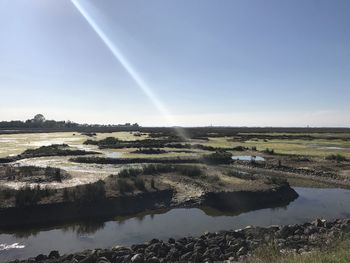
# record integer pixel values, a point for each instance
(153, 260)
(103, 260)
(40, 257)
(317, 223)
(54, 254)
(187, 256)
(138, 258)
(242, 251)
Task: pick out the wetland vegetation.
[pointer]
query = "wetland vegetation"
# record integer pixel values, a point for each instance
(227, 169)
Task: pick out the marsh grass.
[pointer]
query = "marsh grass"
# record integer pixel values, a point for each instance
(27, 196)
(316, 147)
(153, 169)
(124, 186)
(87, 193)
(339, 253)
(336, 157)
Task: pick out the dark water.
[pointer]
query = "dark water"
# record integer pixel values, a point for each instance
(312, 203)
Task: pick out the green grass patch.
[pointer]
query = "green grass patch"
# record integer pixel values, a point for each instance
(317, 147)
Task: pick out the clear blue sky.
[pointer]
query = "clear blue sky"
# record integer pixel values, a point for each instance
(227, 62)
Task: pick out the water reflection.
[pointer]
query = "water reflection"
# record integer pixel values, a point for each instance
(312, 203)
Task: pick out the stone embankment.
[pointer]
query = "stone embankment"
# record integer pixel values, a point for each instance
(224, 246)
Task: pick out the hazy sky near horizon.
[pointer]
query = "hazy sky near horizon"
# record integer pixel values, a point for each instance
(228, 62)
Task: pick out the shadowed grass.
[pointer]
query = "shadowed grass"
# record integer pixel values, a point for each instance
(340, 253)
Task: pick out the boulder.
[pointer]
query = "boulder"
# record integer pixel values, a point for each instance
(138, 258)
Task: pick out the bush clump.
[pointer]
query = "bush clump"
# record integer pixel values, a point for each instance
(88, 193)
(336, 157)
(130, 172)
(149, 151)
(140, 184)
(27, 195)
(269, 151)
(219, 157)
(153, 185)
(124, 186)
(276, 181)
(152, 169)
(189, 170)
(241, 175)
(106, 141)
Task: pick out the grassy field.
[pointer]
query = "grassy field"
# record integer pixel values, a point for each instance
(13, 144)
(317, 147)
(338, 254)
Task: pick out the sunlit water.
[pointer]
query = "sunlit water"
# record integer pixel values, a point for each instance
(312, 203)
(247, 158)
(13, 144)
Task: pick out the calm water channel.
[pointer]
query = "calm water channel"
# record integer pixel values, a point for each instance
(312, 203)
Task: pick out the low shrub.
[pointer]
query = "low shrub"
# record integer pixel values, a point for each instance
(214, 179)
(124, 186)
(140, 184)
(189, 170)
(269, 151)
(239, 148)
(241, 175)
(153, 169)
(276, 181)
(88, 193)
(106, 141)
(219, 157)
(153, 184)
(336, 157)
(27, 195)
(337, 252)
(54, 173)
(7, 193)
(130, 172)
(149, 151)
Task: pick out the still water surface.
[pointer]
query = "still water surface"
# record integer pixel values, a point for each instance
(312, 203)
(248, 158)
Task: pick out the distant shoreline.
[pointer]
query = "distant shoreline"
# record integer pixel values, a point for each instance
(155, 129)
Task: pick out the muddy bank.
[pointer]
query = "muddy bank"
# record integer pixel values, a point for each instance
(316, 177)
(55, 213)
(47, 151)
(245, 201)
(32, 174)
(103, 160)
(228, 246)
(213, 158)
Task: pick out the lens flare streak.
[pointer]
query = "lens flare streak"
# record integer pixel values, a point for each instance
(127, 66)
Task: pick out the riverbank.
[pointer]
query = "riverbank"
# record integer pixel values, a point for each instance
(105, 208)
(228, 246)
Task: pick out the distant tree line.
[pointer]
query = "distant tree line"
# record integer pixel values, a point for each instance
(39, 121)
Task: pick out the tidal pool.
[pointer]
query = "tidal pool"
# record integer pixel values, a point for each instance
(312, 203)
(247, 158)
(13, 144)
(82, 173)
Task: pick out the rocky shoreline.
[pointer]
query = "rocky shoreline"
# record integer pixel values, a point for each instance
(223, 246)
